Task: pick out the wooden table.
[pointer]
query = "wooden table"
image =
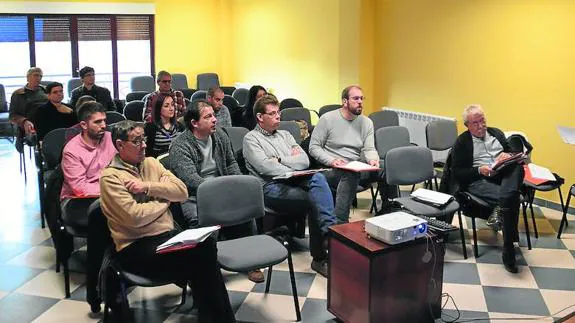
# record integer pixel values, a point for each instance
(370, 281)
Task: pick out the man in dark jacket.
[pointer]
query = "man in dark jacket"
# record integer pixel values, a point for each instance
(474, 153)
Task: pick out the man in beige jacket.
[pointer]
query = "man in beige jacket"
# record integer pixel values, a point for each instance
(136, 193)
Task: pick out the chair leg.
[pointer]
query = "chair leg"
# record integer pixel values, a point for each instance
(268, 281)
(106, 312)
(462, 235)
(66, 278)
(524, 208)
(530, 201)
(124, 316)
(475, 249)
(373, 207)
(436, 186)
(184, 294)
(293, 286)
(564, 218)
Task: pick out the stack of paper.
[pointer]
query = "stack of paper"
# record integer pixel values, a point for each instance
(299, 173)
(538, 175)
(187, 239)
(357, 166)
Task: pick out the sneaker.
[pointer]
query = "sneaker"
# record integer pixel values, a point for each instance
(508, 257)
(320, 266)
(256, 276)
(494, 220)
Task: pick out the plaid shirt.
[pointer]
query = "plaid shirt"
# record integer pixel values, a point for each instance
(150, 101)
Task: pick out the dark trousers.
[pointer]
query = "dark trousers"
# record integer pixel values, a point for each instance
(198, 266)
(503, 190)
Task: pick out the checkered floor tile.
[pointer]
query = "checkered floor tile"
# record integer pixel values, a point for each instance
(31, 290)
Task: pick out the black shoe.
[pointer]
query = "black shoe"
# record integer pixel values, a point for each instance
(509, 262)
(320, 266)
(494, 221)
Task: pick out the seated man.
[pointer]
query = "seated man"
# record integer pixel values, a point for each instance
(54, 114)
(85, 156)
(271, 152)
(164, 80)
(215, 97)
(200, 153)
(89, 87)
(23, 105)
(136, 195)
(472, 154)
(342, 136)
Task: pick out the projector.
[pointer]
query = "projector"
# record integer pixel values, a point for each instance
(396, 227)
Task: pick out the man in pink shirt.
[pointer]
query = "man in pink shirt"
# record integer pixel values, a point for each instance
(85, 156)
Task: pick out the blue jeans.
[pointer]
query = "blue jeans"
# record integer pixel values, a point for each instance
(310, 195)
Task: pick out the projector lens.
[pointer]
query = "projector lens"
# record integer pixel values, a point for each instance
(421, 228)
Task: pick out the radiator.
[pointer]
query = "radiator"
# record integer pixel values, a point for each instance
(415, 122)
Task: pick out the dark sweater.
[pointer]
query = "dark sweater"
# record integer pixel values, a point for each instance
(101, 94)
(462, 156)
(186, 158)
(48, 118)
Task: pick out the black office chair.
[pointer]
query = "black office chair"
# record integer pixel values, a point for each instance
(228, 90)
(290, 103)
(134, 111)
(113, 117)
(187, 93)
(199, 94)
(136, 96)
(241, 95)
(327, 108)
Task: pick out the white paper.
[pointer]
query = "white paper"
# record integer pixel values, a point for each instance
(190, 236)
(540, 172)
(358, 166)
(432, 196)
(567, 134)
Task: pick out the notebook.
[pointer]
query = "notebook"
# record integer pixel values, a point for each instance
(187, 239)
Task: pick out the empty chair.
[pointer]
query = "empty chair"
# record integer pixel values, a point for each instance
(205, 81)
(142, 83)
(179, 81)
(327, 108)
(290, 103)
(294, 114)
(114, 117)
(72, 84)
(188, 93)
(199, 94)
(228, 90)
(134, 110)
(241, 95)
(441, 135)
(293, 128)
(240, 200)
(136, 96)
(384, 118)
(565, 209)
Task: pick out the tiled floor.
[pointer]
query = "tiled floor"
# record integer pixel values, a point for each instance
(31, 290)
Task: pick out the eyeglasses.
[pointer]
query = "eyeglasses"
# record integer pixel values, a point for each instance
(274, 113)
(166, 81)
(138, 141)
(477, 123)
(357, 98)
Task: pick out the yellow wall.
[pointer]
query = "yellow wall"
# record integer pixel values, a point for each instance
(515, 57)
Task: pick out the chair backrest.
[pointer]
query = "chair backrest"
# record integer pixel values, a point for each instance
(179, 81)
(228, 90)
(133, 110)
(72, 84)
(199, 94)
(327, 108)
(236, 135)
(52, 147)
(114, 117)
(385, 118)
(293, 114)
(3, 102)
(142, 83)
(441, 134)
(187, 93)
(136, 96)
(205, 81)
(293, 128)
(388, 138)
(290, 103)
(241, 95)
(408, 165)
(230, 200)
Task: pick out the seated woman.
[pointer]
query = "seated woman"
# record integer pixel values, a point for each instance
(248, 117)
(163, 128)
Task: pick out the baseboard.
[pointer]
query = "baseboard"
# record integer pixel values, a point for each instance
(552, 205)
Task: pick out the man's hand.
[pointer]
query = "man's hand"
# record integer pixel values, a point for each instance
(486, 171)
(338, 162)
(374, 163)
(28, 127)
(502, 156)
(295, 151)
(164, 179)
(136, 186)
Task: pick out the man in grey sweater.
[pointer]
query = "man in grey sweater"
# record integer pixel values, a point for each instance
(271, 152)
(200, 153)
(342, 136)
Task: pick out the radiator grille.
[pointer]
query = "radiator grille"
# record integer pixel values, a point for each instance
(416, 122)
